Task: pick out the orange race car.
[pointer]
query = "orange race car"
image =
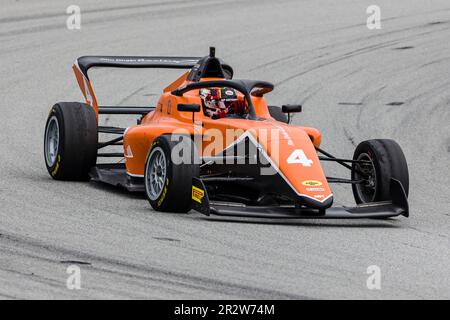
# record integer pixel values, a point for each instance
(213, 144)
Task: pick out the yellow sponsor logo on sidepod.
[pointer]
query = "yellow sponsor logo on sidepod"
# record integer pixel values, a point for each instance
(197, 194)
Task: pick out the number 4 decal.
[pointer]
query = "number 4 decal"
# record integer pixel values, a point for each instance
(299, 156)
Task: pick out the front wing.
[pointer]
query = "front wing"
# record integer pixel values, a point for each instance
(395, 207)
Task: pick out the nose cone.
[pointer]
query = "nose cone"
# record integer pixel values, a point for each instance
(298, 163)
(316, 204)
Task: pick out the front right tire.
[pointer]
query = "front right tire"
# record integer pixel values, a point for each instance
(381, 160)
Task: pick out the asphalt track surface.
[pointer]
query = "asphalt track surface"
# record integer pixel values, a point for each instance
(354, 83)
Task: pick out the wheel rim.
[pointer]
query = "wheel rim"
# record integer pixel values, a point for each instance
(366, 171)
(156, 172)
(51, 141)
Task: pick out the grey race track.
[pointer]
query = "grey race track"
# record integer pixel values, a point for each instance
(354, 83)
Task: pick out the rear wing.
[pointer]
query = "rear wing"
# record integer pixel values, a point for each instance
(82, 65)
(87, 62)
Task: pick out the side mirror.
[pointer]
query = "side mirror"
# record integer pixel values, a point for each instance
(291, 108)
(188, 107)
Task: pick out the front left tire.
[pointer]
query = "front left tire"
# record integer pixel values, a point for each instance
(170, 166)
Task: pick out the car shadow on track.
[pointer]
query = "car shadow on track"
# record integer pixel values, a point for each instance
(117, 190)
(366, 223)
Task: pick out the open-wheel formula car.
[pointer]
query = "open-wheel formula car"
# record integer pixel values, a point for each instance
(214, 145)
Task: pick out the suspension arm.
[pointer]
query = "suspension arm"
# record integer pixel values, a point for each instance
(342, 162)
(341, 180)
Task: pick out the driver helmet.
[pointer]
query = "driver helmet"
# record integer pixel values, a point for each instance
(220, 102)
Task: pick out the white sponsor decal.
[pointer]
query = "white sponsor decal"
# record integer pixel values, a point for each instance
(285, 135)
(129, 153)
(148, 60)
(315, 189)
(89, 99)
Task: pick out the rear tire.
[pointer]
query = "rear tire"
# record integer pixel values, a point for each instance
(70, 141)
(277, 114)
(168, 181)
(385, 161)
